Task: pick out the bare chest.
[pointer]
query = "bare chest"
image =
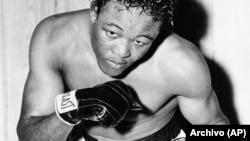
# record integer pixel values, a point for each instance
(146, 84)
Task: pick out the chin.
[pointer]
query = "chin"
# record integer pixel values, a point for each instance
(113, 73)
(106, 69)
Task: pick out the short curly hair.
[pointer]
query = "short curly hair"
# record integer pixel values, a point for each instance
(160, 10)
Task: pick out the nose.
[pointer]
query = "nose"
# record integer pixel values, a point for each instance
(122, 49)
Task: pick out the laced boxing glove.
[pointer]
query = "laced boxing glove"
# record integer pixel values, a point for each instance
(107, 104)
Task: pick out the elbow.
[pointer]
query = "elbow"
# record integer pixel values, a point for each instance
(21, 131)
(223, 120)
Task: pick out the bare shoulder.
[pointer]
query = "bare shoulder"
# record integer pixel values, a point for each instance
(44, 81)
(60, 28)
(53, 34)
(185, 66)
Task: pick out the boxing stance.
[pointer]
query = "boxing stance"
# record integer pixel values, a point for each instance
(115, 71)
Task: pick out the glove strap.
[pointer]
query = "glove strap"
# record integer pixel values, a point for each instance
(66, 106)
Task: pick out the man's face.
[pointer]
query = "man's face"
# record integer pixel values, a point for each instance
(121, 36)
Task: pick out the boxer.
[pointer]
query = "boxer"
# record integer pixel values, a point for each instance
(116, 71)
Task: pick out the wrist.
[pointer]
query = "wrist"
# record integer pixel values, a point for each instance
(66, 106)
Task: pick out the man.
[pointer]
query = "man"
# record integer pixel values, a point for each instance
(96, 54)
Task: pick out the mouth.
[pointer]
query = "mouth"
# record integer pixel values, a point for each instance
(116, 65)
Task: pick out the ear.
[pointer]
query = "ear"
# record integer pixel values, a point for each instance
(93, 11)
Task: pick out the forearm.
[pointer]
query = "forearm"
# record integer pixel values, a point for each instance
(43, 128)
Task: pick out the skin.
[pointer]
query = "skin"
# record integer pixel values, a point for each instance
(82, 49)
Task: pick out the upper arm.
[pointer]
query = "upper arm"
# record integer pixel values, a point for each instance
(44, 80)
(198, 101)
(203, 109)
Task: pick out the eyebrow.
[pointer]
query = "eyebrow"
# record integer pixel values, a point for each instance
(112, 24)
(146, 36)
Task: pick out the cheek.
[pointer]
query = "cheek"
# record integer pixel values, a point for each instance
(138, 53)
(99, 43)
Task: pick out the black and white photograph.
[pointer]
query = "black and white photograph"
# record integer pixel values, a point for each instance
(124, 70)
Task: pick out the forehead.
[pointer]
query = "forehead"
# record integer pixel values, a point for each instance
(115, 6)
(132, 16)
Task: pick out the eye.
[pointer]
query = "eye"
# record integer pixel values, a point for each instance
(112, 34)
(139, 43)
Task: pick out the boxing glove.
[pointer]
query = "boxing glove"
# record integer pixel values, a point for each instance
(107, 104)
